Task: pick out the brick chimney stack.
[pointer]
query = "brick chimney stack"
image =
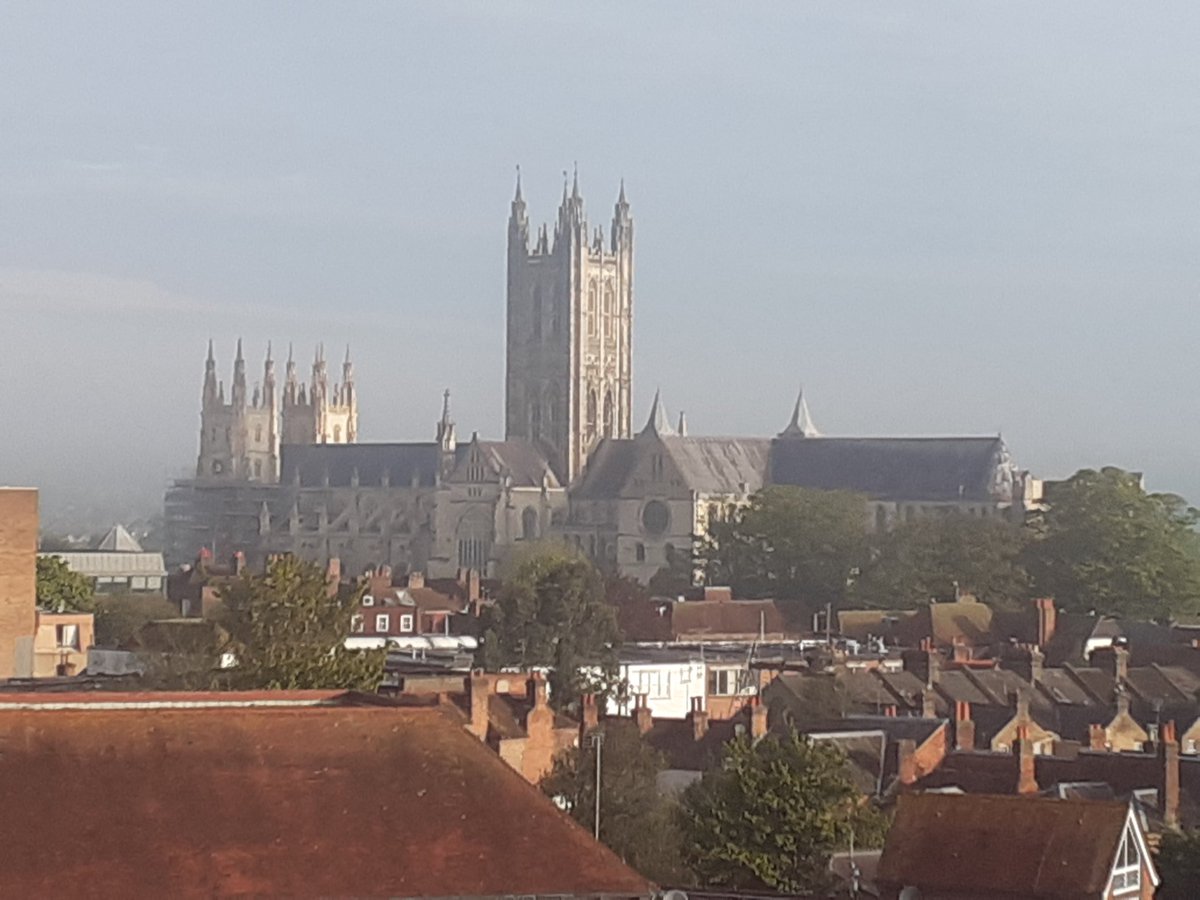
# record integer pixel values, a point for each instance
(589, 713)
(906, 761)
(641, 714)
(758, 719)
(928, 704)
(924, 663)
(478, 688)
(964, 727)
(416, 579)
(1168, 754)
(1047, 620)
(698, 716)
(1026, 767)
(1114, 660)
(238, 564)
(1097, 738)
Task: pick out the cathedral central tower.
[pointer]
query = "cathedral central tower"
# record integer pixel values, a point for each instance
(570, 317)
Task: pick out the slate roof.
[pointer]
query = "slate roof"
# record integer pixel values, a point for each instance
(521, 460)
(1015, 846)
(676, 740)
(608, 468)
(401, 462)
(101, 564)
(295, 799)
(932, 469)
(720, 465)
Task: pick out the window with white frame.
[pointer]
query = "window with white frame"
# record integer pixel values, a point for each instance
(722, 682)
(368, 600)
(356, 624)
(1127, 872)
(382, 622)
(406, 623)
(654, 684)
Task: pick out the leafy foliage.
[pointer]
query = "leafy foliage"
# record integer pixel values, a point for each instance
(551, 612)
(925, 559)
(287, 632)
(1178, 863)
(636, 821)
(789, 543)
(1108, 545)
(119, 617)
(772, 814)
(61, 590)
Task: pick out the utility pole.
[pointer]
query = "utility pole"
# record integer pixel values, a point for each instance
(596, 739)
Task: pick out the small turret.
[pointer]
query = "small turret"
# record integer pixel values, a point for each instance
(237, 395)
(622, 224)
(658, 423)
(518, 221)
(210, 377)
(801, 424)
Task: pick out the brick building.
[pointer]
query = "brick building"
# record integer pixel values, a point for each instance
(18, 580)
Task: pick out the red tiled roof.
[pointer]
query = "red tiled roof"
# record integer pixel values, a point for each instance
(314, 800)
(1004, 846)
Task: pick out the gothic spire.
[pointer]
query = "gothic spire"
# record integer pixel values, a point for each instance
(658, 423)
(621, 197)
(269, 352)
(801, 424)
(575, 183)
(238, 357)
(518, 198)
(212, 360)
(682, 428)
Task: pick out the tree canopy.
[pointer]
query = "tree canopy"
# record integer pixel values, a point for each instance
(1108, 545)
(636, 821)
(286, 629)
(1178, 863)
(788, 543)
(551, 612)
(61, 590)
(771, 815)
(934, 558)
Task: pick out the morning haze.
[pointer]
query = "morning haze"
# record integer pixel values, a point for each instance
(939, 219)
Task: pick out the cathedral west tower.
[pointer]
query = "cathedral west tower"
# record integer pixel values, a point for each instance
(570, 316)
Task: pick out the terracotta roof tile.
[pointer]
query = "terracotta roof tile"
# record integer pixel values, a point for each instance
(1010, 846)
(342, 800)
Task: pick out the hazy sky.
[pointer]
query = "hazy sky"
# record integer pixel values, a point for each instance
(941, 218)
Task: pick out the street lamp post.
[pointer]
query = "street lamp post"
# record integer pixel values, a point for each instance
(596, 739)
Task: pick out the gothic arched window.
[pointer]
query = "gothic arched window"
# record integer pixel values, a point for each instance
(591, 411)
(608, 413)
(591, 309)
(337, 434)
(537, 313)
(535, 420)
(529, 524)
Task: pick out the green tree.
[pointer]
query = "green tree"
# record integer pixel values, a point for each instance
(636, 821)
(119, 617)
(789, 543)
(928, 558)
(551, 612)
(61, 590)
(1178, 863)
(1106, 544)
(287, 631)
(772, 814)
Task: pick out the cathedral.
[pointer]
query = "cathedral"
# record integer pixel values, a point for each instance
(280, 470)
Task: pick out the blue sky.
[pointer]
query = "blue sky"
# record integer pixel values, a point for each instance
(940, 217)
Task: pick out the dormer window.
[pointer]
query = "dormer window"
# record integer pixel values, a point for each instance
(368, 600)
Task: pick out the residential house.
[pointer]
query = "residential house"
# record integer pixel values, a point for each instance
(61, 643)
(277, 793)
(18, 580)
(951, 846)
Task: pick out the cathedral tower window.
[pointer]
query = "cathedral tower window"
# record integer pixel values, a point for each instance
(591, 310)
(591, 411)
(537, 313)
(639, 552)
(608, 413)
(258, 434)
(337, 434)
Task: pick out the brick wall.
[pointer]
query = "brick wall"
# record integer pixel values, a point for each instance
(18, 579)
